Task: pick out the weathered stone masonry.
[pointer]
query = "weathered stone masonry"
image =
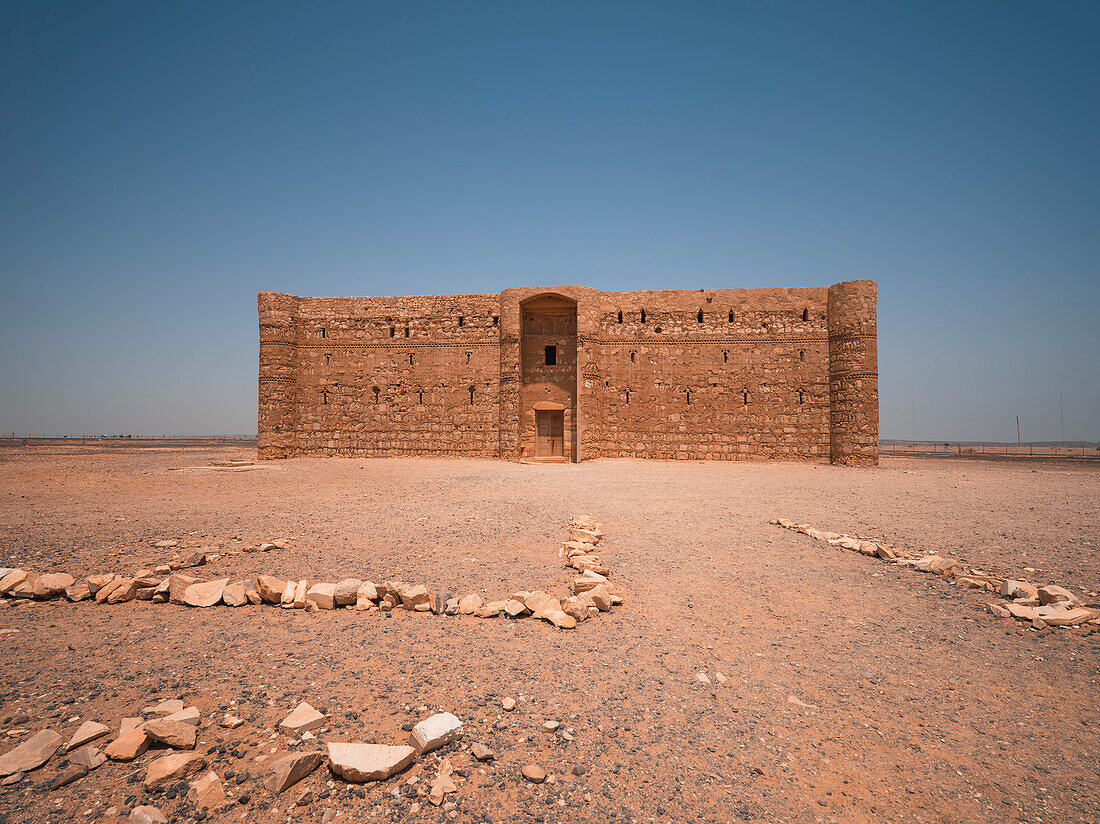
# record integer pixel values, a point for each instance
(574, 373)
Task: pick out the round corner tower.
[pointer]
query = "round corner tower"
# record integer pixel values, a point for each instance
(853, 373)
(278, 375)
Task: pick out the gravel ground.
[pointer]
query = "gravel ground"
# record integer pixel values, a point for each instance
(855, 691)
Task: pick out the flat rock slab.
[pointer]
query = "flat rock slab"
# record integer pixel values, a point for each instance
(302, 719)
(85, 733)
(31, 754)
(206, 594)
(179, 735)
(289, 770)
(368, 762)
(170, 768)
(434, 732)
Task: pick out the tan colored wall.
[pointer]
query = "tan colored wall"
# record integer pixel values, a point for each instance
(807, 359)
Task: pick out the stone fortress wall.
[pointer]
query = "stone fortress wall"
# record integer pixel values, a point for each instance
(685, 374)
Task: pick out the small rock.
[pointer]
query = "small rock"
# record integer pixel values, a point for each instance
(178, 735)
(270, 589)
(323, 595)
(234, 596)
(289, 770)
(230, 722)
(67, 776)
(207, 791)
(508, 704)
(132, 741)
(534, 773)
(434, 732)
(346, 592)
(164, 707)
(89, 757)
(87, 732)
(482, 753)
(190, 715)
(469, 604)
(302, 718)
(146, 814)
(170, 768)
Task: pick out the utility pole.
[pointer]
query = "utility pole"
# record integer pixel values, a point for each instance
(1018, 431)
(914, 424)
(1062, 416)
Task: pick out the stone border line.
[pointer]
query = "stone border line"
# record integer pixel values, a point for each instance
(593, 592)
(1042, 606)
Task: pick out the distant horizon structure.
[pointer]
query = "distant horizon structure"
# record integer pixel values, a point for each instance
(572, 373)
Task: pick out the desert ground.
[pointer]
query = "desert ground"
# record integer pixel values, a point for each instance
(854, 690)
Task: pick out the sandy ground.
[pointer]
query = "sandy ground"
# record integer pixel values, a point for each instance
(856, 691)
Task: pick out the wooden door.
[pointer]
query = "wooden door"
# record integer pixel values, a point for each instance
(549, 432)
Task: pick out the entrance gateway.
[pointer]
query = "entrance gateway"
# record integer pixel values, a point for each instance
(550, 424)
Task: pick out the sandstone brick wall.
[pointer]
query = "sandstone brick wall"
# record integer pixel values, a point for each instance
(379, 376)
(715, 374)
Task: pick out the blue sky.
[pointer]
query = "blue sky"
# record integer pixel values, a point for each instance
(162, 163)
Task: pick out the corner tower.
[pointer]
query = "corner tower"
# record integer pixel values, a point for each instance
(278, 379)
(853, 373)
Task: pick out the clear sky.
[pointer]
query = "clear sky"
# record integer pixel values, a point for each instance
(161, 163)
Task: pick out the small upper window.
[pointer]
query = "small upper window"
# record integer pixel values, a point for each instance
(551, 355)
(461, 320)
(620, 316)
(643, 316)
(805, 314)
(406, 331)
(699, 317)
(731, 316)
(323, 334)
(496, 320)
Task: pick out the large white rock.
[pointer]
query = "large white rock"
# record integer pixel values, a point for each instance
(368, 762)
(434, 732)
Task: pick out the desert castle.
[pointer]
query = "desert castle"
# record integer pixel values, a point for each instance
(572, 373)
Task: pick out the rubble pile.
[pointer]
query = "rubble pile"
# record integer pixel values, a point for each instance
(592, 591)
(175, 769)
(1041, 606)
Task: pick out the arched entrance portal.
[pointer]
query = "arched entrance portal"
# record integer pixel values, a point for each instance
(548, 378)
